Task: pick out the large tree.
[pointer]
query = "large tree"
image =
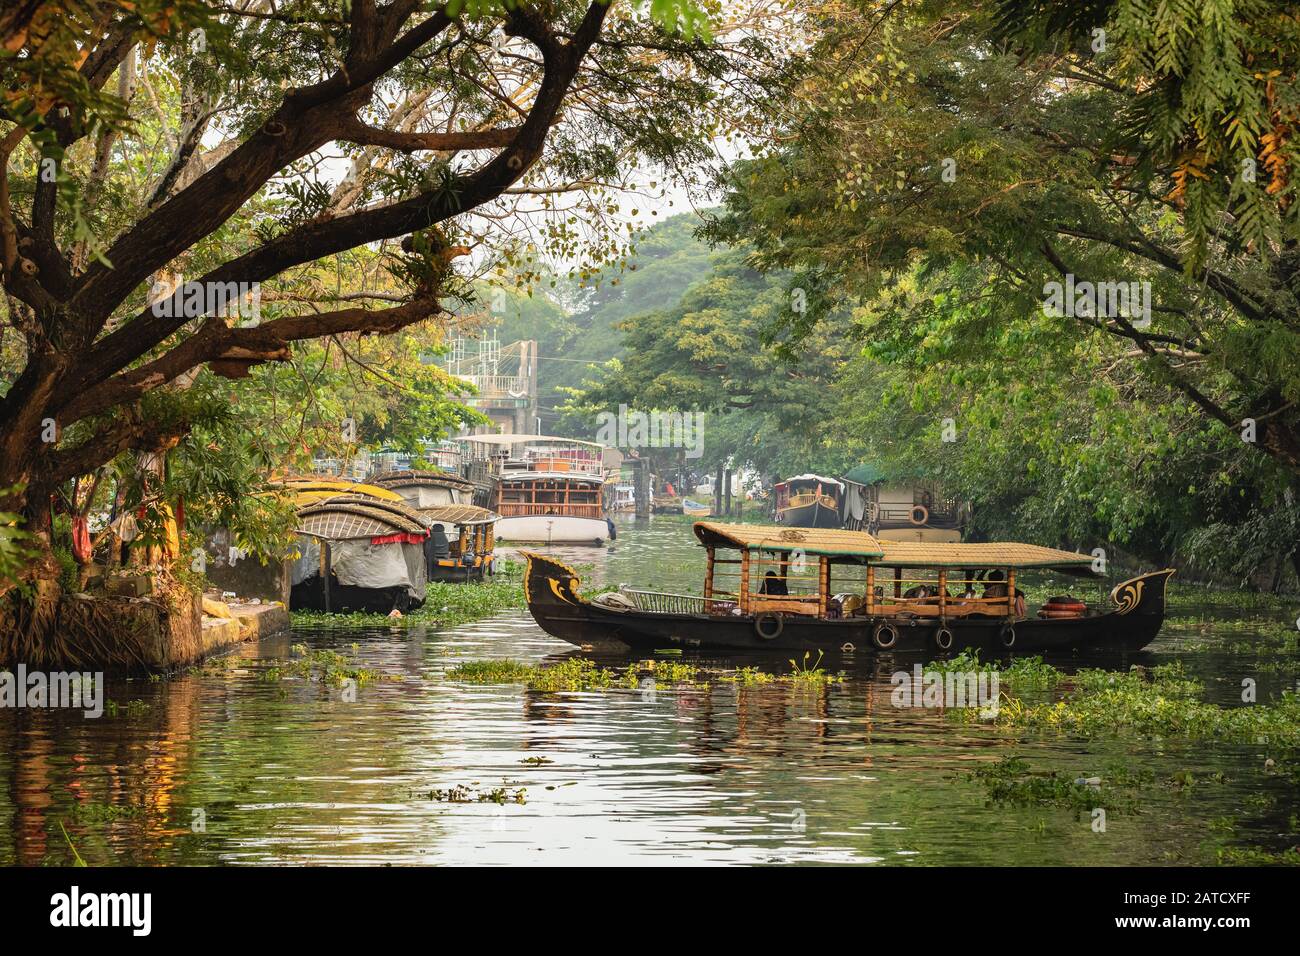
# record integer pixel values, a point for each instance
(293, 132)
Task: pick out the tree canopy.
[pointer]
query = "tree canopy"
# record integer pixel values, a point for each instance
(331, 162)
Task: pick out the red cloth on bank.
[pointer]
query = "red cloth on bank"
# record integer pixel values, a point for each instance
(80, 539)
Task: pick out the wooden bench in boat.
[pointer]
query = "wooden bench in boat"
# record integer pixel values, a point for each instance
(809, 604)
(930, 607)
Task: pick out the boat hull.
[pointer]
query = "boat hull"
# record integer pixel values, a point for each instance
(553, 529)
(553, 599)
(814, 515)
(347, 599)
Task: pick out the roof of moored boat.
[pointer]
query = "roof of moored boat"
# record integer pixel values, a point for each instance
(355, 516)
(523, 438)
(810, 478)
(415, 478)
(832, 542)
(459, 514)
(571, 477)
(306, 488)
(993, 554)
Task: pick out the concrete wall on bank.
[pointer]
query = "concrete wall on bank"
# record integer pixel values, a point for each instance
(246, 576)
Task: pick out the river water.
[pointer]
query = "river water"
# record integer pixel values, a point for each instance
(224, 766)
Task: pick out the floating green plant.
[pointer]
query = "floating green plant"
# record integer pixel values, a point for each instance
(1011, 782)
(464, 794)
(132, 708)
(748, 677)
(803, 672)
(491, 672)
(580, 674)
(322, 666)
(1100, 702)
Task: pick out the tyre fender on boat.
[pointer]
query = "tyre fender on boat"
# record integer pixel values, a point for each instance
(919, 515)
(943, 638)
(775, 625)
(1008, 635)
(885, 635)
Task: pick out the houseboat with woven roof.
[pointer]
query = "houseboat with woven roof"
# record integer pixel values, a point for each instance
(359, 553)
(462, 537)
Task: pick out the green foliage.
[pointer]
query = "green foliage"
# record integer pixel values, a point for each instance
(67, 567)
(204, 79)
(1212, 105)
(705, 350)
(15, 548)
(1165, 705)
(579, 673)
(934, 183)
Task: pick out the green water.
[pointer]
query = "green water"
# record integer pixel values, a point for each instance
(227, 767)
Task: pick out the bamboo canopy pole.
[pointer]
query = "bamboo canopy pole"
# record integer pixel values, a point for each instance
(744, 581)
(823, 584)
(708, 580)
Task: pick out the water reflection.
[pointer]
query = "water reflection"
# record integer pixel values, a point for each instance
(228, 766)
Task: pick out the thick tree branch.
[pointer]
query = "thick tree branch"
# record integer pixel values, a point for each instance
(1226, 287)
(355, 131)
(1124, 329)
(306, 119)
(233, 350)
(324, 237)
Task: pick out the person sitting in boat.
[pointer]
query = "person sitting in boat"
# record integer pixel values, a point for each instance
(772, 584)
(920, 591)
(998, 589)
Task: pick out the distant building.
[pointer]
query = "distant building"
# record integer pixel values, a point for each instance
(506, 380)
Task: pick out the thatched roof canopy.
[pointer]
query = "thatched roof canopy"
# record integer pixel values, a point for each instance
(852, 546)
(416, 478)
(355, 516)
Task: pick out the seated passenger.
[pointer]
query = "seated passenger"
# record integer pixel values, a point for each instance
(920, 591)
(772, 584)
(998, 588)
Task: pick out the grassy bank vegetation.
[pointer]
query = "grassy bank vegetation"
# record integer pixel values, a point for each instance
(445, 605)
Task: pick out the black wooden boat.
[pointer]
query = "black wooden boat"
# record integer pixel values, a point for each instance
(809, 501)
(898, 596)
